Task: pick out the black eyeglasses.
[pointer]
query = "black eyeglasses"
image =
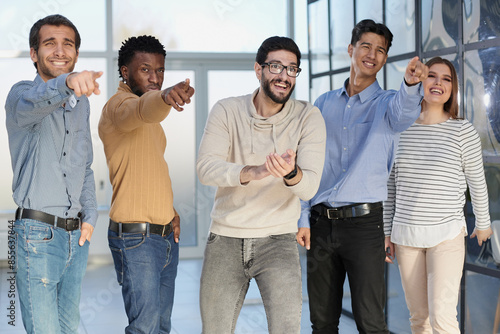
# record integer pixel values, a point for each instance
(276, 68)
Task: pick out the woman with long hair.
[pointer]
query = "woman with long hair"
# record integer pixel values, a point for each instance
(437, 158)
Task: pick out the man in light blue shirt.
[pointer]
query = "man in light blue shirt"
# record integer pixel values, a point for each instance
(51, 152)
(341, 226)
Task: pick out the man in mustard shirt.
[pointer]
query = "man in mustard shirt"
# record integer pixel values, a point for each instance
(144, 226)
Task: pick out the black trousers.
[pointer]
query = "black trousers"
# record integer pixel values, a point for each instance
(352, 246)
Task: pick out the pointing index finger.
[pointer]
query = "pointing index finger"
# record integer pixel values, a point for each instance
(413, 62)
(96, 75)
(187, 85)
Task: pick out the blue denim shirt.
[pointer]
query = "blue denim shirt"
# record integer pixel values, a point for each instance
(51, 149)
(362, 133)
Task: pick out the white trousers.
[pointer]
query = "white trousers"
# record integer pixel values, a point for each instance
(431, 282)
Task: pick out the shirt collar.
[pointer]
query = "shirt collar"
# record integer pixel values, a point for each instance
(367, 94)
(38, 79)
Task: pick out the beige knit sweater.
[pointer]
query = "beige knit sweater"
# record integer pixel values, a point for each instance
(134, 144)
(235, 136)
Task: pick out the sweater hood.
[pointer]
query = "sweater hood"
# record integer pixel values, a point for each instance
(258, 122)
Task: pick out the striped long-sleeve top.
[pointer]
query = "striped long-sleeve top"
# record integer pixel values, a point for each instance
(426, 191)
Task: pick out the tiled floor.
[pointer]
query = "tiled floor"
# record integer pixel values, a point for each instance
(102, 309)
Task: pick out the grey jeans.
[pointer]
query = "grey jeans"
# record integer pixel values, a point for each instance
(229, 265)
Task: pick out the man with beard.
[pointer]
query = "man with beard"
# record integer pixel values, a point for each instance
(263, 152)
(51, 152)
(144, 227)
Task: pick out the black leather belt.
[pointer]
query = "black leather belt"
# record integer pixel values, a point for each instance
(120, 228)
(348, 211)
(69, 224)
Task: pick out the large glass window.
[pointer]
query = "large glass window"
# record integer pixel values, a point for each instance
(481, 20)
(319, 40)
(400, 19)
(17, 17)
(439, 24)
(199, 25)
(341, 26)
(482, 96)
(369, 9)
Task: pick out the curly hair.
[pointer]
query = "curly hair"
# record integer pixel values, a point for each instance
(132, 45)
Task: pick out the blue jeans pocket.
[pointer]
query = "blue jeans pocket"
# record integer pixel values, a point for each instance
(34, 232)
(39, 234)
(131, 241)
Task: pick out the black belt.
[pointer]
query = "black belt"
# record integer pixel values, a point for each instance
(119, 228)
(348, 211)
(69, 224)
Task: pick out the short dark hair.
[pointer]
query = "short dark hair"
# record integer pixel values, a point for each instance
(144, 43)
(276, 43)
(370, 26)
(53, 20)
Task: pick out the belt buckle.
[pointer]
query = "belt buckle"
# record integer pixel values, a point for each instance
(71, 224)
(330, 210)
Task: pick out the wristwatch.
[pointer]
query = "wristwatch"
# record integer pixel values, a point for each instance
(292, 174)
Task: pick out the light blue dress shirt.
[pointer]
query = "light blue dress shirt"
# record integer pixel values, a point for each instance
(51, 149)
(362, 133)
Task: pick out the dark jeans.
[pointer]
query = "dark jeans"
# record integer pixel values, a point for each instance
(146, 267)
(354, 246)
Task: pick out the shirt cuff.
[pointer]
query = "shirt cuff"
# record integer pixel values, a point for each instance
(413, 90)
(89, 216)
(62, 87)
(304, 219)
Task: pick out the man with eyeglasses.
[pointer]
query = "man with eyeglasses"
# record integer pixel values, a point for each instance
(263, 152)
(341, 226)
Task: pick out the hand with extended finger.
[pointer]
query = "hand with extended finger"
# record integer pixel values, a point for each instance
(178, 95)
(281, 165)
(416, 72)
(84, 83)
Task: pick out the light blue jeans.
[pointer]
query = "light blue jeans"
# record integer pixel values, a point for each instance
(229, 265)
(146, 267)
(50, 269)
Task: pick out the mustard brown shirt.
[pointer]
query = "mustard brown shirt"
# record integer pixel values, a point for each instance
(134, 144)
